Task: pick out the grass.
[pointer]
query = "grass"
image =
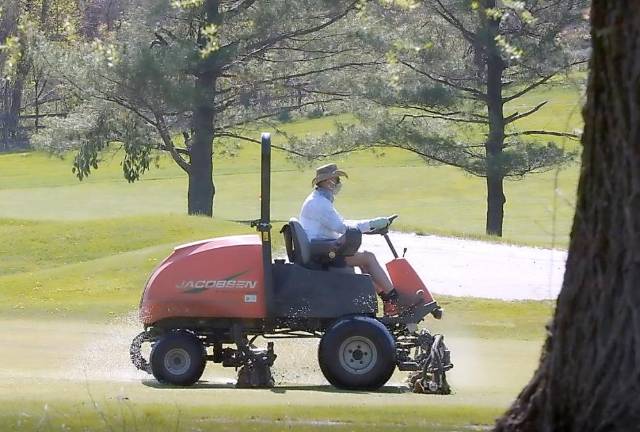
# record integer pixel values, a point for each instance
(493, 319)
(434, 199)
(33, 246)
(77, 374)
(95, 268)
(74, 375)
(127, 416)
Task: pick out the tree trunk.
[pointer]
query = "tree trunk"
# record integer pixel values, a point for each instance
(201, 187)
(495, 139)
(12, 133)
(495, 203)
(4, 132)
(589, 375)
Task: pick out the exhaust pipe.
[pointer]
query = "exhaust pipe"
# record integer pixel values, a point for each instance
(264, 224)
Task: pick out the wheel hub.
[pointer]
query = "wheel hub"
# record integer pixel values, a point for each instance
(358, 355)
(177, 361)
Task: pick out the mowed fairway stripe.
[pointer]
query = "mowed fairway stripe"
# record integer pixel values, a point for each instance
(70, 363)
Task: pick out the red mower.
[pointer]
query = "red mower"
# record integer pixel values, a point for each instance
(210, 300)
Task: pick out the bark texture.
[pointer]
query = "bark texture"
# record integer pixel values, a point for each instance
(11, 134)
(589, 374)
(495, 113)
(201, 187)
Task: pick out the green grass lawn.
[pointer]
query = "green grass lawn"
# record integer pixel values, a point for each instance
(429, 199)
(346, 415)
(71, 374)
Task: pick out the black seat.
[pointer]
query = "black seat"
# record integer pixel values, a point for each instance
(297, 243)
(318, 254)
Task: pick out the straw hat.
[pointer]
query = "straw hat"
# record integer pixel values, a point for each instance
(327, 172)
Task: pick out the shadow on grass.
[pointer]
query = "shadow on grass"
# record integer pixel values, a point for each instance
(331, 389)
(391, 389)
(250, 221)
(197, 386)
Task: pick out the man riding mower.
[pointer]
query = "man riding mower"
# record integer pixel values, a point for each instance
(209, 301)
(322, 223)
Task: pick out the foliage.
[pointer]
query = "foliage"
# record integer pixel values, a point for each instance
(315, 113)
(284, 116)
(309, 408)
(450, 89)
(171, 63)
(430, 97)
(28, 90)
(436, 144)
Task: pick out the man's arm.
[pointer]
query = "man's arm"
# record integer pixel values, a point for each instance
(362, 225)
(326, 214)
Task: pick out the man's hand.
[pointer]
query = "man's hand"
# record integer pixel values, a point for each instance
(378, 223)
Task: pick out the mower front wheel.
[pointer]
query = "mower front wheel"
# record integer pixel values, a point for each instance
(178, 358)
(357, 353)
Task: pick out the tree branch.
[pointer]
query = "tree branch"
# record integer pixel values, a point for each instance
(314, 51)
(539, 82)
(288, 150)
(428, 156)
(444, 117)
(516, 116)
(448, 16)
(317, 71)
(168, 143)
(542, 132)
(34, 116)
(274, 113)
(446, 82)
(260, 46)
(236, 10)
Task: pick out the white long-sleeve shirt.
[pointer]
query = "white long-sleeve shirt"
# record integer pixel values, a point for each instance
(321, 221)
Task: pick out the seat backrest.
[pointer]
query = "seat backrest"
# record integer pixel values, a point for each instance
(300, 242)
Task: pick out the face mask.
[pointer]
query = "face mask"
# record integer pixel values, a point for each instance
(337, 188)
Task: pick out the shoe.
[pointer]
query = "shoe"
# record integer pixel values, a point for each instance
(396, 303)
(389, 308)
(389, 302)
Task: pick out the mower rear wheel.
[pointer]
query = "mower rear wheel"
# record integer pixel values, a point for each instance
(357, 353)
(178, 358)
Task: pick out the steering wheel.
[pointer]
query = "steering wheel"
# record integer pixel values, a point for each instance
(385, 230)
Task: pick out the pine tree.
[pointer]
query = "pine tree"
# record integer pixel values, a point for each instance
(451, 67)
(180, 76)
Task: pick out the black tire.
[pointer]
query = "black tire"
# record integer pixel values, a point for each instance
(178, 358)
(357, 353)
